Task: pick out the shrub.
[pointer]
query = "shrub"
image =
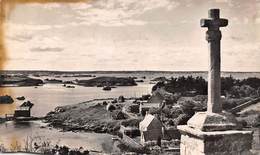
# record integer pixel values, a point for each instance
(252, 118)
(242, 91)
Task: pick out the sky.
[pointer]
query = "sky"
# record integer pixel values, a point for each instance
(130, 35)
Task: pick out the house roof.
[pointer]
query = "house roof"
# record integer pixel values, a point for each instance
(146, 122)
(150, 105)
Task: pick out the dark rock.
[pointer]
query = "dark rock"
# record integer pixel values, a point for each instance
(104, 102)
(20, 98)
(121, 99)
(6, 99)
(111, 107)
(70, 86)
(107, 88)
(52, 80)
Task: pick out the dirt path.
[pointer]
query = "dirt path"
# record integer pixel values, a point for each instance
(255, 107)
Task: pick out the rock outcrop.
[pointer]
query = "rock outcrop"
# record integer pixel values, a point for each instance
(6, 99)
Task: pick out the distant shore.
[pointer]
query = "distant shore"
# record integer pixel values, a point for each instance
(112, 72)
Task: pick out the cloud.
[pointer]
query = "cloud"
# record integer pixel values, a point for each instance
(28, 27)
(46, 49)
(20, 38)
(118, 12)
(21, 59)
(126, 34)
(98, 12)
(41, 43)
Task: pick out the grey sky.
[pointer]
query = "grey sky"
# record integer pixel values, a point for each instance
(130, 35)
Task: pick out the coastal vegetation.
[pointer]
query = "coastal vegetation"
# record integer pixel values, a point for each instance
(230, 86)
(189, 95)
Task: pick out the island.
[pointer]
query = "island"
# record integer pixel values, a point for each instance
(103, 81)
(18, 81)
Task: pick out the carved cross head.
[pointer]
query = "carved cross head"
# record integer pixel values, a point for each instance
(214, 22)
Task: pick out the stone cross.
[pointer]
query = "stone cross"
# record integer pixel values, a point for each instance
(213, 36)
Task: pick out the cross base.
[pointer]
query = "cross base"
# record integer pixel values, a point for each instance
(206, 121)
(231, 142)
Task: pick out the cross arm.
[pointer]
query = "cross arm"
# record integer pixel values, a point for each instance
(223, 22)
(205, 22)
(213, 23)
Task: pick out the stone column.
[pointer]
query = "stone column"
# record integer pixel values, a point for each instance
(214, 104)
(214, 132)
(213, 36)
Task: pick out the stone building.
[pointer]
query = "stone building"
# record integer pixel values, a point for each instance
(22, 112)
(151, 129)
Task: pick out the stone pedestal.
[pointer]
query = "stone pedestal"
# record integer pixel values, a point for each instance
(207, 121)
(230, 142)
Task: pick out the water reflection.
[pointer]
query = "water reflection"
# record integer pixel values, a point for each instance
(6, 108)
(22, 124)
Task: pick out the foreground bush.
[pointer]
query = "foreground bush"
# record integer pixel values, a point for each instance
(250, 118)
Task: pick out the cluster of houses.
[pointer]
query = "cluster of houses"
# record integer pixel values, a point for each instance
(151, 131)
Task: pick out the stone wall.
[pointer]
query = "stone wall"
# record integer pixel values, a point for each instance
(226, 144)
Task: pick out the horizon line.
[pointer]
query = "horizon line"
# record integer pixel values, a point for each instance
(39, 70)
